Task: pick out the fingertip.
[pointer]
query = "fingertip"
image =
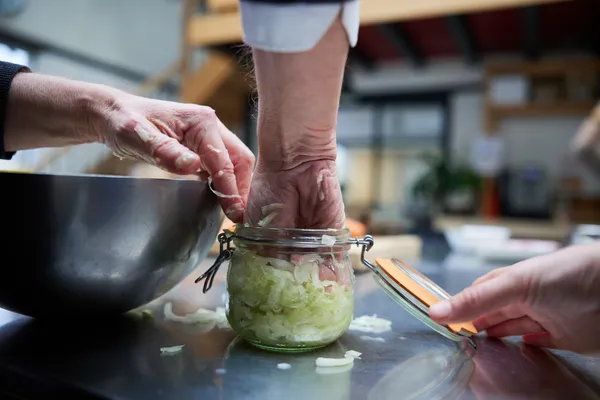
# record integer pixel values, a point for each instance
(235, 212)
(441, 311)
(539, 340)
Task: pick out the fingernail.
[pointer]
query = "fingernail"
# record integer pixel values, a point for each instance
(235, 212)
(184, 161)
(441, 309)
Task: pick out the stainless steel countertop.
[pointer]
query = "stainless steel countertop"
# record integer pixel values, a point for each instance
(121, 359)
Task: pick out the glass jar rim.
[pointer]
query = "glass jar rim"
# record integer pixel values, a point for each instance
(293, 236)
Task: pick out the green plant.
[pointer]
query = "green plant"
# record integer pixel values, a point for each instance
(440, 180)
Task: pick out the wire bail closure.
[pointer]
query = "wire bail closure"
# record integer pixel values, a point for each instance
(225, 253)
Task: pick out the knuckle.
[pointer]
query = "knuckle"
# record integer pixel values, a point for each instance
(125, 126)
(249, 159)
(228, 169)
(162, 146)
(203, 112)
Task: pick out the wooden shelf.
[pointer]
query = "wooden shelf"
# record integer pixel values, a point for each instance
(526, 110)
(520, 228)
(560, 71)
(543, 68)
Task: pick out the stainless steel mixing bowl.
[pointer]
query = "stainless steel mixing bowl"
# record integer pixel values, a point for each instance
(89, 245)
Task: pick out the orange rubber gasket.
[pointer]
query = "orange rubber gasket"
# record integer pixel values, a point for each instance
(419, 292)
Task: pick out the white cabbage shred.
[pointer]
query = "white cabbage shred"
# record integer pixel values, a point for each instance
(171, 350)
(268, 209)
(334, 362)
(263, 223)
(333, 370)
(283, 302)
(319, 182)
(370, 324)
(211, 319)
(348, 359)
(269, 213)
(373, 339)
(353, 354)
(284, 366)
(328, 240)
(221, 195)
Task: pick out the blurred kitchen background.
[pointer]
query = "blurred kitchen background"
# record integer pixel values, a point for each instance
(456, 117)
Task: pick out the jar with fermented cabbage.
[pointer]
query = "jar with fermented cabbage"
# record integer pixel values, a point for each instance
(290, 290)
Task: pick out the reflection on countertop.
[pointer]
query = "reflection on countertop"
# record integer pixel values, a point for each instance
(121, 358)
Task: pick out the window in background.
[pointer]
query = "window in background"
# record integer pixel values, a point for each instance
(386, 139)
(413, 125)
(355, 125)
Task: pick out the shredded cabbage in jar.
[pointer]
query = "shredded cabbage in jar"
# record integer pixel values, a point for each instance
(283, 302)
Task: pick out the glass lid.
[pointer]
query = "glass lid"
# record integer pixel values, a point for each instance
(416, 293)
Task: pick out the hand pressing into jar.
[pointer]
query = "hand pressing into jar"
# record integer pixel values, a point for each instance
(295, 184)
(307, 196)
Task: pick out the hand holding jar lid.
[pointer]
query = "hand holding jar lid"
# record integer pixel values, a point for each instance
(551, 301)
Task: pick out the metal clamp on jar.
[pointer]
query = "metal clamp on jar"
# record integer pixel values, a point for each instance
(292, 289)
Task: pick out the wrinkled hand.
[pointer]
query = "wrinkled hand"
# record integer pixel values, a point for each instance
(307, 196)
(551, 301)
(182, 139)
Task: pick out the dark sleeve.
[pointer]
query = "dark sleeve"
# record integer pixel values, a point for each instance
(7, 73)
(296, 1)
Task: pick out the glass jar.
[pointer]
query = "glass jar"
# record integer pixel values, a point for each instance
(290, 290)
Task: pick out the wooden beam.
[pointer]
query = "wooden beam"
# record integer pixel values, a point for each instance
(531, 32)
(215, 29)
(358, 57)
(221, 6)
(213, 72)
(397, 37)
(156, 81)
(462, 36)
(220, 28)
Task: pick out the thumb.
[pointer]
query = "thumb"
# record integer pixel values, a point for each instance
(475, 301)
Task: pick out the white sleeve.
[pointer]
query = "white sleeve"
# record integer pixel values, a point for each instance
(293, 28)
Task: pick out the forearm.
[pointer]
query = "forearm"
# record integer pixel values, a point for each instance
(298, 101)
(47, 111)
